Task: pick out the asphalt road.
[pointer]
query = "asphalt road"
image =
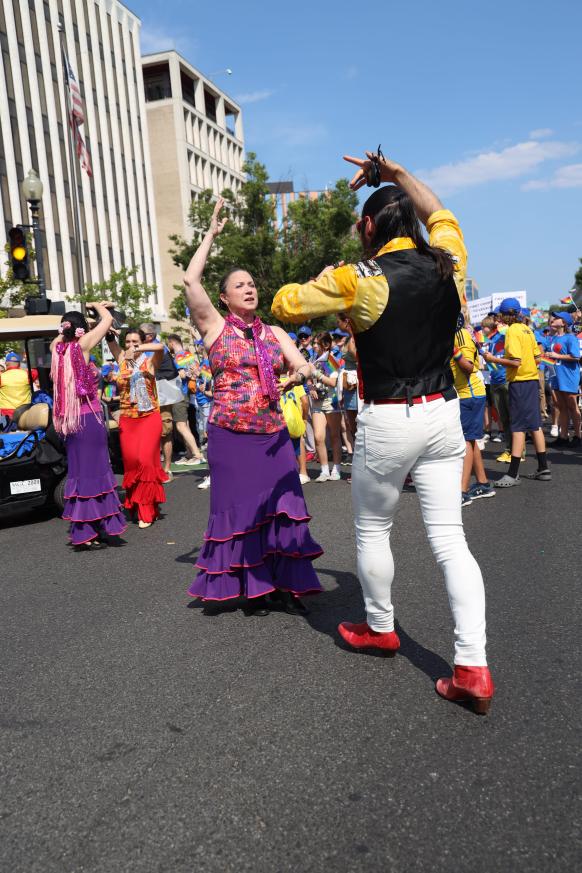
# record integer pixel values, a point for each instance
(137, 734)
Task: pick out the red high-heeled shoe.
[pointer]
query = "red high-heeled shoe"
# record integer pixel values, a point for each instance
(361, 636)
(473, 684)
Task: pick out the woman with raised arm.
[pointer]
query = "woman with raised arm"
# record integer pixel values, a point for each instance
(91, 502)
(258, 540)
(140, 425)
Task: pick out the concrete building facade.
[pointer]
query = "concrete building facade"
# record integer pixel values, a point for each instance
(196, 142)
(117, 213)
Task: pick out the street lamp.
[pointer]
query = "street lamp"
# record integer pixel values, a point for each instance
(32, 189)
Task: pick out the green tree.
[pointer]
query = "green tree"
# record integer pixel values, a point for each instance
(249, 239)
(578, 276)
(124, 290)
(316, 233)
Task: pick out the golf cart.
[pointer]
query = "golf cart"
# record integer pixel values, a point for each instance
(33, 461)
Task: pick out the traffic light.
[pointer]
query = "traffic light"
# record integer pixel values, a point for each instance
(19, 254)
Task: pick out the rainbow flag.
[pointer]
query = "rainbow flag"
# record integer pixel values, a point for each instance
(185, 360)
(549, 362)
(567, 299)
(205, 373)
(478, 336)
(332, 365)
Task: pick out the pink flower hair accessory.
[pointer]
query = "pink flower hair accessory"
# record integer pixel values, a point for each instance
(65, 325)
(79, 332)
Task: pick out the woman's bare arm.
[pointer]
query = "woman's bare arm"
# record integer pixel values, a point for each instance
(204, 315)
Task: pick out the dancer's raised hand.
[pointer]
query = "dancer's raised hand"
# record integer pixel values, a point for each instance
(388, 169)
(217, 223)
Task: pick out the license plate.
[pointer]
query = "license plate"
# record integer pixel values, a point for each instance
(25, 486)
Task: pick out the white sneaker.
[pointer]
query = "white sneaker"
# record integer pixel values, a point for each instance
(323, 477)
(554, 430)
(205, 484)
(304, 479)
(335, 476)
(486, 437)
(191, 462)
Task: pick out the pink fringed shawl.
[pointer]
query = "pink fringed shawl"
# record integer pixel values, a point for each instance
(72, 383)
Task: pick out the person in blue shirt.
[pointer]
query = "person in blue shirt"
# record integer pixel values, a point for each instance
(563, 347)
(494, 347)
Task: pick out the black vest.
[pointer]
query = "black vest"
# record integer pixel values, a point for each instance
(407, 352)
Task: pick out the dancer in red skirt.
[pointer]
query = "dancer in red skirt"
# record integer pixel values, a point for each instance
(140, 426)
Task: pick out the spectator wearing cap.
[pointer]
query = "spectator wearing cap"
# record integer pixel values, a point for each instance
(564, 347)
(14, 385)
(304, 343)
(520, 360)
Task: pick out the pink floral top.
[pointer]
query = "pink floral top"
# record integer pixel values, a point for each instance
(239, 403)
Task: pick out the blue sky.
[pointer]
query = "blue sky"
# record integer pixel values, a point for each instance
(482, 98)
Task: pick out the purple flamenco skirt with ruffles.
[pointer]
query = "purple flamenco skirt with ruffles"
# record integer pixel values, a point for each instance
(258, 537)
(91, 502)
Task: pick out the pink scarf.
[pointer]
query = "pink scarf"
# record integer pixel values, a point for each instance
(72, 382)
(266, 372)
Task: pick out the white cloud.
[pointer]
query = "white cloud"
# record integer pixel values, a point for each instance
(541, 133)
(492, 166)
(568, 176)
(253, 97)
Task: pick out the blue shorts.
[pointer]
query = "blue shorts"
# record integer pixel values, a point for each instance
(472, 417)
(296, 442)
(524, 406)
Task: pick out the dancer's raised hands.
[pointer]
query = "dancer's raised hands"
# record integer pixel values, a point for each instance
(387, 168)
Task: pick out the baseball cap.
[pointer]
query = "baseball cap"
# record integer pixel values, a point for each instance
(509, 304)
(292, 336)
(338, 332)
(525, 311)
(106, 369)
(12, 357)
(304, 331)
(565, 316)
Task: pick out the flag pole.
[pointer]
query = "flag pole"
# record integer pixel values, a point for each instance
(72, 171)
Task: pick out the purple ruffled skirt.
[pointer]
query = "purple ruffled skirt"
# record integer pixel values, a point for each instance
(258, 537)
(91, 502)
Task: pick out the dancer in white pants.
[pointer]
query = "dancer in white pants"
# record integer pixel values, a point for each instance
(427, 439)
(410, 420)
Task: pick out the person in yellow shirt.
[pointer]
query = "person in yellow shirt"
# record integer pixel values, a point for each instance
(472, 396)
(520, 360)
(14, 385)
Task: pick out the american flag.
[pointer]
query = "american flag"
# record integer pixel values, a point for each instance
(77, 118)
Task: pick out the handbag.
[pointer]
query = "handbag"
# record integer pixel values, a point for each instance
(169, 391)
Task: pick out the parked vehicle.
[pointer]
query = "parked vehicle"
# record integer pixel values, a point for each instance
(33, 461)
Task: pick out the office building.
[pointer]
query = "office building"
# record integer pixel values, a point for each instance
(196, 142)
(471, 289)
(116, 204)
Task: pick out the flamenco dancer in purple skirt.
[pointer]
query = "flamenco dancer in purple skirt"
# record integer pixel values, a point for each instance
(258, 541)
(91, 502)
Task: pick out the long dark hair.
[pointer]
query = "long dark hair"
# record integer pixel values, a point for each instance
(393, 213)
(76, 320)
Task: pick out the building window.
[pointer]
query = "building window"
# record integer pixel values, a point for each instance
(210, 105)
(156, 80)
(188, 88)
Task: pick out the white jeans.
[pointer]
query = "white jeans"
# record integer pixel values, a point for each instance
(425, 439)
